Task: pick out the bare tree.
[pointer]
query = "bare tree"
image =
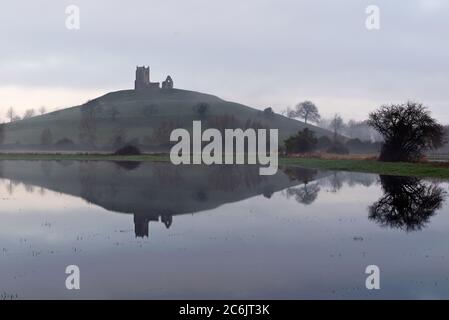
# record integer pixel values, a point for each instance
(307, 110)
(161, 134)
(113, 113)
(2, 133)
(29, 114)
(304, 141)
(289, 112)
(88, 126)
(408, 130)
(337, 125)
(42, 110)
(119, 137)
(46, 137)
(361, 130)
(10, 114)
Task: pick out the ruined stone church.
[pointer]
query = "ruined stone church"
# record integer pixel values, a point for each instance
(143, 80)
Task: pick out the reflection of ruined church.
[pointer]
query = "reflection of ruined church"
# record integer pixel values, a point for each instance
(143, 80)
(142, 223)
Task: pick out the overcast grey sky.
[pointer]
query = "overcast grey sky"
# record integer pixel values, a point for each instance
(257, 52)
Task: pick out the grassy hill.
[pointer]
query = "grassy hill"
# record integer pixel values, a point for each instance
(144, 117)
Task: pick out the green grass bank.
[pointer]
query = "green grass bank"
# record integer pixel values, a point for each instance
(424, 169)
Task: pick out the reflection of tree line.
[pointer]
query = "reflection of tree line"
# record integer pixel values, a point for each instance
(310, 186)
(407, 202)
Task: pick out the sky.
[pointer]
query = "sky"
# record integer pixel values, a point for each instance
(257, 52)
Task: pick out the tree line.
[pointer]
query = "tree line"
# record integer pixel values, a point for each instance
(308, 112)
(406, 131)
(12, 116)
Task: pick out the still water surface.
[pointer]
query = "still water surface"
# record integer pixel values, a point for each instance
(156, 231)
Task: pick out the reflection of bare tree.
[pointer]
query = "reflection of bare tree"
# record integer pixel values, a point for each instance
(87, 176)
(364, 179)
(338, 178)
(408, 203)
(336, 182)
(10, 188)
(2, 133)
(301, 174)
(29, 188)
(305, 194)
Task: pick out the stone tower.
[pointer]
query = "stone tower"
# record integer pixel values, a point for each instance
(143, 79)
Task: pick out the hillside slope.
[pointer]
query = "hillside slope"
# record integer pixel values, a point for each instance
(144, 117)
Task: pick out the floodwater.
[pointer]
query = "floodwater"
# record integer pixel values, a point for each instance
(156, 231)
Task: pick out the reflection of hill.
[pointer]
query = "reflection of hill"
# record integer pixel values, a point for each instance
(159, 191)
(151, 191)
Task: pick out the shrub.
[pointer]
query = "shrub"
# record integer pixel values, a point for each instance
(268, 112)
(303, 141)
(201, 109)
(324, 142)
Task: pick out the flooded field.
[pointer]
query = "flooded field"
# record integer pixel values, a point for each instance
(156, 231)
